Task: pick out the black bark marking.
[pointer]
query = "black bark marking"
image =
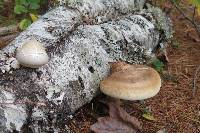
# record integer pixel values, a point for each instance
(81, 82)
(91, 69)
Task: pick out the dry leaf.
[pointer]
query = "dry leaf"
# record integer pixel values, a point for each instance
(148, 117)
(118, 122)
(115, 111)
(34, 17)
(110, 125)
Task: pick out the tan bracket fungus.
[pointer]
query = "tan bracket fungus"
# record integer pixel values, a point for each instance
(131, 82)
(32, 54)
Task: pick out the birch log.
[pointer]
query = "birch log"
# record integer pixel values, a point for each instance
(41, 100)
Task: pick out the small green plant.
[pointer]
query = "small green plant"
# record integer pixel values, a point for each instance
(196, 3)
(158, 65)
(1, 4)
(24, 23)
(28, 9)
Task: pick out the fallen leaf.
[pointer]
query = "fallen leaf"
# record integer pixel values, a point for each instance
(118, 122)
(148, 116)
(115, 111)
(34, 17)
(110, 125)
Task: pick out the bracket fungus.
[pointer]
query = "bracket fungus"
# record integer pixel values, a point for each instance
(32, 54)
(131, 82)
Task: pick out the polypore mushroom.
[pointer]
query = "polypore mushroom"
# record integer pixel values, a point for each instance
(131, 82)
(32, 54)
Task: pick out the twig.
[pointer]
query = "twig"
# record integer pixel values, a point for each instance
(196, 26)
(194, 12)
(195, 80)
(4, 40)
(8, 30)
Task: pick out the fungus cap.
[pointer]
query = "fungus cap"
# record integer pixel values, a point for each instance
(135, 82)
(32, 54)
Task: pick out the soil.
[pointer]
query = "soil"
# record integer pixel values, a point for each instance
(175, 108)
